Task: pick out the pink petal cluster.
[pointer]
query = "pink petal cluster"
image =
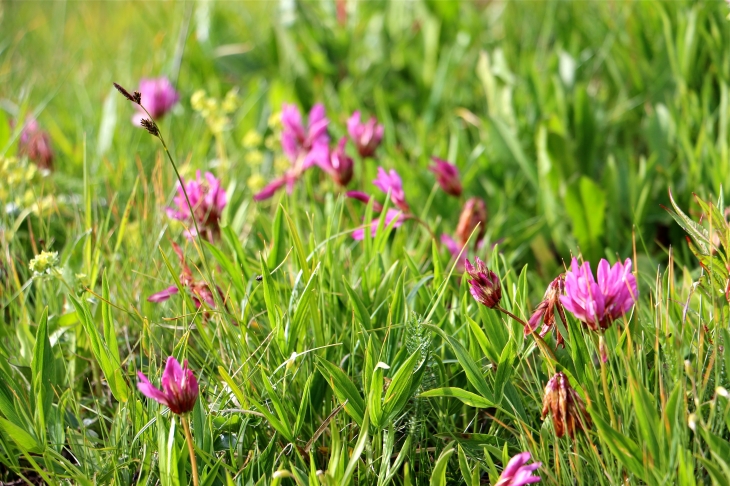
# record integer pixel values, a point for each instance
(598, 304)
(207, 199)
(340, 165)
(200, 291)
(517, 473)
(179, 387)
(390, 215)
(158, 97)
(365, 136)
(391, 181)
(304, 147)
(447, 175)
(36, 145)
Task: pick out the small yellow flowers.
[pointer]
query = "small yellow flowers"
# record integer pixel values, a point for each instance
(216, 113)
(44, 263)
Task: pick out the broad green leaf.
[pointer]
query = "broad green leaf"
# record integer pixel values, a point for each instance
(344, 390)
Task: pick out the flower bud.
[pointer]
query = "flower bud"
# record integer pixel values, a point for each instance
(474, 214)
(447, 176)
(484, 285)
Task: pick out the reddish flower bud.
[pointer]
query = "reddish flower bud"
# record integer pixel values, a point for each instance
(447, 176)
(36, 145)
(474, 214)
(484, 285)
(567, 408)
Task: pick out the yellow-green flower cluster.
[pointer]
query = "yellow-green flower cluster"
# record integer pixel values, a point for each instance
(44, 263)
(21, 185)
(15, 173)
(215, 112)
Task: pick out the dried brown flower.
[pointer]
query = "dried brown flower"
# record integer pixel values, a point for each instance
(545, 312)
(567, 408)
(150, 126)
(473, 214)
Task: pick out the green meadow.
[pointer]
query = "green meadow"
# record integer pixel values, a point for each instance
(589, 129)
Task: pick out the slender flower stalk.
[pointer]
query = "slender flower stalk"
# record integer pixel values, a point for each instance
(154, 130)
(518, 472)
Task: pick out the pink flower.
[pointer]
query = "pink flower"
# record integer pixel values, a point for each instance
(598, 304)
(200, 291)
(158, 97)
(365, 136)
(484, 286)
(207, 199)
(390, 215)
(391, 181)
(304, 148)
(517, 473)
(447, 176)
(179, 387)
(36, 145)
(339, 165)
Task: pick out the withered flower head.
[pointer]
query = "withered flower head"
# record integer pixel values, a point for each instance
(567, 408)
(545, 312)
(473, 214)
(484, 285)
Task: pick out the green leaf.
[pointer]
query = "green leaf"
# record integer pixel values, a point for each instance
(467, 397)
(401, 387)
(621, 446)
(118, 385)
(344, 389)
(278, 247)
(473, 373)
(42, 371)
(585, 203)
(22, 438)
(361, 313)
(438, 475)
(112, 371)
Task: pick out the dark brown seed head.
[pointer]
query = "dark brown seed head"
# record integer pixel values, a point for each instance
(150, 126)
(127, 94)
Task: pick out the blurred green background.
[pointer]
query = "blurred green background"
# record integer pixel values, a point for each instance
(572, 119)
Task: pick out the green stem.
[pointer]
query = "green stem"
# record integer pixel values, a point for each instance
(604, 380)
(191, 449)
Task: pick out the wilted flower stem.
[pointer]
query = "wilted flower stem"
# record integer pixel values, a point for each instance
(191, 448)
